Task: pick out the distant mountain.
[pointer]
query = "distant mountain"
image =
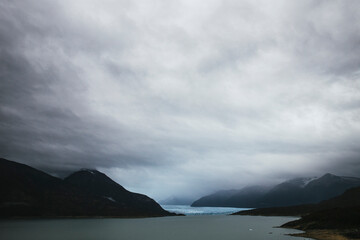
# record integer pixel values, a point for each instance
(287, 193)
(349, 199)
(293, 192)
(177, 201)
(329, 186)
(216, 199)
(246, 197)
(28, 192)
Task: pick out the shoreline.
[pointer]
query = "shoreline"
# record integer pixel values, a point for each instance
(83, 217)
(324, 234)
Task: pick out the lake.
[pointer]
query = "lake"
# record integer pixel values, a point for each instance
(199, 227)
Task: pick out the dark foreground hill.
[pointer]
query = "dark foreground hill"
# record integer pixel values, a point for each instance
(293, 192)
(28, 192)
(336, 216)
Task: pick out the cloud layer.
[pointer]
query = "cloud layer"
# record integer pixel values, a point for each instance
(182, 97)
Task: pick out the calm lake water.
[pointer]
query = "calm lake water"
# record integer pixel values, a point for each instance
(199, 227)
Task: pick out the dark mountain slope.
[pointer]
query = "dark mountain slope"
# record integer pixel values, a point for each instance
(349, 199)
(246, 197)
(177, 201)
(215, 200)
(284, 194)
(27, 192)
(329, 186)
(333, 218)
(290, 193)
(339, 215)
(96, 183)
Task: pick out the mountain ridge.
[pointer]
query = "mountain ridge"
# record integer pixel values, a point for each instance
(28, 192)
(291, 192)
(336, 216)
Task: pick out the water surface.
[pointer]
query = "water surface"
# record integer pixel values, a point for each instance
(199, 227)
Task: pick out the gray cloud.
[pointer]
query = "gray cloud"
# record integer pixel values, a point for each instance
(182, 97)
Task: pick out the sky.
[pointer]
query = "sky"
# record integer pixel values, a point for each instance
(182, 98)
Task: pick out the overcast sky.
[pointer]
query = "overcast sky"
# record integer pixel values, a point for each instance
(182, 98)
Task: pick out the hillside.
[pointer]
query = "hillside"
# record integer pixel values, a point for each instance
(28, 192)
(349, 199)
(337, 216)
(297, 191)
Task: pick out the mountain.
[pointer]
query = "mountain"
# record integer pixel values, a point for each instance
(329, 186)
(337, 216)
(217, 199)
(246, 197)
(287, 193)
(28, 192)
(95, 183)
(350, 198)
(339, 212)
(293, 192)
(177, 201)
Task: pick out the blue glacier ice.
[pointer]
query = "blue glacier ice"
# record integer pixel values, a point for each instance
(188, 210)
